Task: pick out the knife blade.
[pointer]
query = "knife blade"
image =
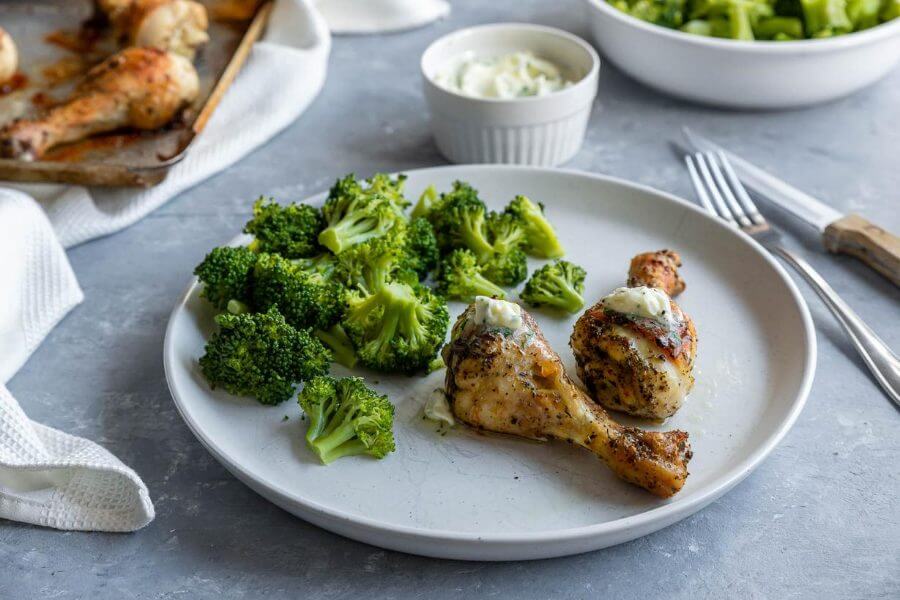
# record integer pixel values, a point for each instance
(848, 234)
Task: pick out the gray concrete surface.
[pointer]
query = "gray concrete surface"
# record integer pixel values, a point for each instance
(818, 519)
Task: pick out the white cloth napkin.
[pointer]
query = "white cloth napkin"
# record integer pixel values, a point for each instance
(48, 477)
(374, 16)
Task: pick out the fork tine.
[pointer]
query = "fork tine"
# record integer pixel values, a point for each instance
(721, 208)
(698, 185)
(740, 191)
(736, 210)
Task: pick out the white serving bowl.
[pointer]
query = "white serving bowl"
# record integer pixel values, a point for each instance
(737, 74)
(539, 130)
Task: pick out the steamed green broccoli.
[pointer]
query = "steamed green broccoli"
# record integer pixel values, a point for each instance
(763, 19)
(390, 188)
(824, 18)
(397, 327)
(426, 202)
(864, 14)
(420, 247)
(337, 340)
(346, 418)
(506, 268)
(306, 300)
(370, 265)
(461, 222)
(320, 268)
(260, 355)
(771, 27)
(668, 13)
(290, 230)
(354, 215)
(559, 284)
(540, 238)
(226, 275)
(506, 232)
(460, 277)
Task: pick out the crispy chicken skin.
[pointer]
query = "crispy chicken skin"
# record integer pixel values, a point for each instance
(144, 88)
(173, 25)
(636, 365)
(9, 57)
(657, 270)
(513, 382)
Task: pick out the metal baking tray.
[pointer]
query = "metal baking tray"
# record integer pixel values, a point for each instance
(121, 158)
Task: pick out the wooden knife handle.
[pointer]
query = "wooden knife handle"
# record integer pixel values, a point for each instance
(868, 242)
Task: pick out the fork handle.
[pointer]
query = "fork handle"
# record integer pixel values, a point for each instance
(884, 364)
(866, 241)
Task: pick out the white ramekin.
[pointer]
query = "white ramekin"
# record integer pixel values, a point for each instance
(544, 131)
(739, 74)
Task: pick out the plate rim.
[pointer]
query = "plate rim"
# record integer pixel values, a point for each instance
(665, 514)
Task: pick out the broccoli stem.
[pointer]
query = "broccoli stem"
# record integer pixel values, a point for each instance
(236, 307)
(341, 348)
(569, 299)
(482, 286)
(338, 443)
(347, 233)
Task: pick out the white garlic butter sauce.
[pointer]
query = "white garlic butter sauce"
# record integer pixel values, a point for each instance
(497, 313)
(437, 408)
(641, 301)
(514, 75)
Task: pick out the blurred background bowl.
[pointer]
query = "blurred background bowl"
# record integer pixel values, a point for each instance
(740, 74)
(534, 130)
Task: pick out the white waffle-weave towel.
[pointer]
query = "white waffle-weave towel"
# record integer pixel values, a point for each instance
(48, 477)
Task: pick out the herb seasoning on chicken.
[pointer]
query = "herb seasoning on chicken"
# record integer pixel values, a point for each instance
(635, 349)
(510, 381)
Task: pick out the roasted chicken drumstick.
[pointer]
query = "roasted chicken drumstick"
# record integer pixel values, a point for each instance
(143, 88)
(174, 25)
(507, 379)
(9, 57)
(635, 349)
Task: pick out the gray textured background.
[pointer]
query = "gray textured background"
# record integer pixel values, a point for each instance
(817, 519)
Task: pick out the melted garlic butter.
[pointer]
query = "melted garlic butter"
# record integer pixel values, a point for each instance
(437, 408)
(497, 313)
(641, 301)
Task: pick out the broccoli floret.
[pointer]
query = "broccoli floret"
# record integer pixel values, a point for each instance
(559, 284)
(320, 268)
(226, 275)
(863, 13)
(340, 345)
(506, 232)
(399, 327)
(346, 418)
(668, 13)
(772, 27)
(370, 265)
(305, 300)
(540, 238)
(509, 269)
(461, 222)
(354, 215)
(425, 203)
(260, 355)
(290, 230)
(420, 247)
(824, 18)
(391, 188)
(460, 278)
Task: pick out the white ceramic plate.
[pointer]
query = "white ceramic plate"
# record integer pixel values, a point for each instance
(482, 497)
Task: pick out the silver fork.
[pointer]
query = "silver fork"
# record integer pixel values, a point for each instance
(722, 194)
